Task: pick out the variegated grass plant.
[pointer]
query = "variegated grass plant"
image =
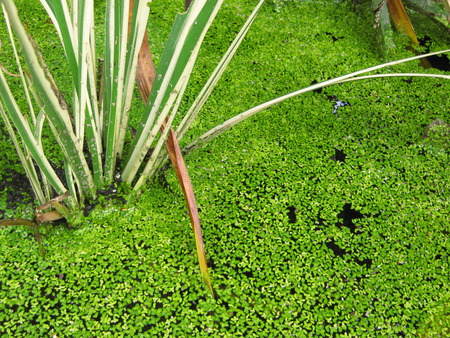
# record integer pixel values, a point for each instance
(94, 126)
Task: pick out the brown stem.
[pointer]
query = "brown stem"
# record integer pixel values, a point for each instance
(145, 76)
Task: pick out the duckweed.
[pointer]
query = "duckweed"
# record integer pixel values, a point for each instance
(315, 224)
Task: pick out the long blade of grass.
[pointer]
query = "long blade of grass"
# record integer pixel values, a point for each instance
(169, 138)
(375, 76)
(401, 19)
(136, 31)
(175, 66)
(188, 191)
(25, 160)
(27, 135)
(403, 24)
(88, 105)
(216, 131)
(74, 23)
(41, 191)
(217, 73)
(41, 117)
(59, 13)
(86, 112)
(58, 117)
(30, 134)
(121, 55)
(145, 76)
(17, 221)
(19, 66)
(145, 73)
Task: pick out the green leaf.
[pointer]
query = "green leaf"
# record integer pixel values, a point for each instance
(172, 76)
(58, 117)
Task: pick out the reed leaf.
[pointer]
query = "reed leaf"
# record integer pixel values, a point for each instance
(217, 73)
(58, 117)
(121, 53)
(401, 19)
(27, 135)
(174, 69)
(216, 131)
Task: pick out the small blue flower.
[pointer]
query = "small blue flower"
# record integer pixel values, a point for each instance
(338, 104)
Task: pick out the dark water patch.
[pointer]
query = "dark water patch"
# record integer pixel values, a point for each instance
(440, 62)
(337, 250)
(348, 215)
(292, 214)
(339, 156)
(334, 38)
(16, 190)
(367, 262)
(211, 263)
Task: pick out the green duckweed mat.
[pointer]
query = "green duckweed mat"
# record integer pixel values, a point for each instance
(316, 223)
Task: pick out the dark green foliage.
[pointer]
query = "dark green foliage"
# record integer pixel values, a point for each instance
(315, 223)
